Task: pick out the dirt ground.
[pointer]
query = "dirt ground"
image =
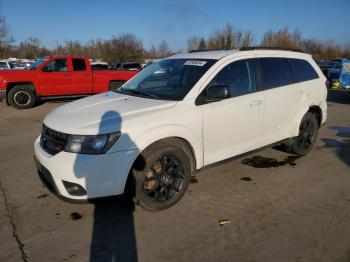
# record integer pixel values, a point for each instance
(280, 208)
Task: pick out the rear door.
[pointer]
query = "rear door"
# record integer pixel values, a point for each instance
(81, 77)
(282, 97)
(54, 78)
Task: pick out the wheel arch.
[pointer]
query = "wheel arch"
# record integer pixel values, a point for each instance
(138, 161)
(313, 108)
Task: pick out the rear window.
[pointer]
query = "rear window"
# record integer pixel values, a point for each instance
(302, 70)
(79, 64)
(275, 72)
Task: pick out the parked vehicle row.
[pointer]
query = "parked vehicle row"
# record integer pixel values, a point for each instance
(10, 65)
(57, 77)
(177, 116)
(337, 72)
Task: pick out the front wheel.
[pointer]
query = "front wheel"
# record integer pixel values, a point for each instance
(163, 179)
(306, 139)
(21, 97)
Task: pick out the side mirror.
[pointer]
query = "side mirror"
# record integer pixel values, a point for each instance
(214, 93)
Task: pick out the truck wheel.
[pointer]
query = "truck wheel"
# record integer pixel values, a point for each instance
(163, 178)
(21, 97)
(305, 141)
(115, 84)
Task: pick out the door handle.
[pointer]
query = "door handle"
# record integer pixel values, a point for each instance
(256, 102)
(66, 75)
(87, 75)
(299, 92)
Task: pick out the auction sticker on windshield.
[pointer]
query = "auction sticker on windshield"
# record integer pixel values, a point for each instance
(195, 63)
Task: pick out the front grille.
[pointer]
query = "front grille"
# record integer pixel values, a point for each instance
(52, 141)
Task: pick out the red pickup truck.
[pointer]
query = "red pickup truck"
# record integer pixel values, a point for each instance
(57, 77)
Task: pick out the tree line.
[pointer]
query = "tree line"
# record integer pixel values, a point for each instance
(128, 47)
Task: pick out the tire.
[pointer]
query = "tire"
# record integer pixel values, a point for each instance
(305, 141)
(22, 97)
(162, 178)
(115, 84)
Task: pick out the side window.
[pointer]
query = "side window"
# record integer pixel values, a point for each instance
(275, 72)
(302, 70)
(58, 65)
(78, 64)
(3, 65)
(238, 76)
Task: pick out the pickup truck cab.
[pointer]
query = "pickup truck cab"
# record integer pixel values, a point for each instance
(175, 117)
(57, 77)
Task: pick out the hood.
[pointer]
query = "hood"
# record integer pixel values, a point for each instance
(101, 114)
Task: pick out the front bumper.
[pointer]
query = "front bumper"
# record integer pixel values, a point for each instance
(99, 175)
(2, 95)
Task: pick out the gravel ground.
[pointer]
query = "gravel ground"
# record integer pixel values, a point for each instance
(279, 208)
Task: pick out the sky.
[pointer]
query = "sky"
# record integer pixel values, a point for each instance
(175, 21)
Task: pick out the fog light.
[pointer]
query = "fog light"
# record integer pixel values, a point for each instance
(74, 189)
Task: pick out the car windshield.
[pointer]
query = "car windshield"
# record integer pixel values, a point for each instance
(14, 65)
(37, 63)
(169, 79)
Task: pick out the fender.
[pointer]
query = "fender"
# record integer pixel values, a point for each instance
(161, 132)
(298, 116)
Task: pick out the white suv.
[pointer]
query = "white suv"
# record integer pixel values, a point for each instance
(177, 116)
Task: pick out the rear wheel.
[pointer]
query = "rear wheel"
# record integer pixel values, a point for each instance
(22, 97)
(306, 139)
(163, 179)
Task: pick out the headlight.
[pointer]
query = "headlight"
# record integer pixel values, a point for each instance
(98, 144)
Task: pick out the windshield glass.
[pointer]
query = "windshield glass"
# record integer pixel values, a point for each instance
(169, 79)
(13, 64)
(37, 63)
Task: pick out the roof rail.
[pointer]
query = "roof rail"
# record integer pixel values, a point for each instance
(250, 48)
(202, 50)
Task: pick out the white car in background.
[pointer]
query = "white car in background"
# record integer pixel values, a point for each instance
(10, 65)
(157, 130)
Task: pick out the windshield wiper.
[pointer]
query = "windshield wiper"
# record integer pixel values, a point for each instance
(139, 92)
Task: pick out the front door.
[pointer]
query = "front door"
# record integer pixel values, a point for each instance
(54, 78)
(233, 126)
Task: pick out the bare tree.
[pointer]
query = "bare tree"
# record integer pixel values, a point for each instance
(163, 49)
(202, 44)
(193, 43)
(5, 38)
(152, 52)
(31, 48)
(282, 38)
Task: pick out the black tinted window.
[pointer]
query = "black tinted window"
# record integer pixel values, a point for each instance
(79, 64)
(302, 70)
(275, 72)
(58, 65)
(238, 76)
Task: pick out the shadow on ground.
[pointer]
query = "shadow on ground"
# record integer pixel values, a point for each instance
(342, 144)
(113, 236)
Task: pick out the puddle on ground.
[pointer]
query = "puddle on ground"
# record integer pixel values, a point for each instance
(267, 162)
(332, 143)
(193, 180)
(342, 131)
(246, 178)
(41, 196)
(75, 216)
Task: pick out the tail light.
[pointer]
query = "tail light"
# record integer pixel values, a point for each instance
(327, 83)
